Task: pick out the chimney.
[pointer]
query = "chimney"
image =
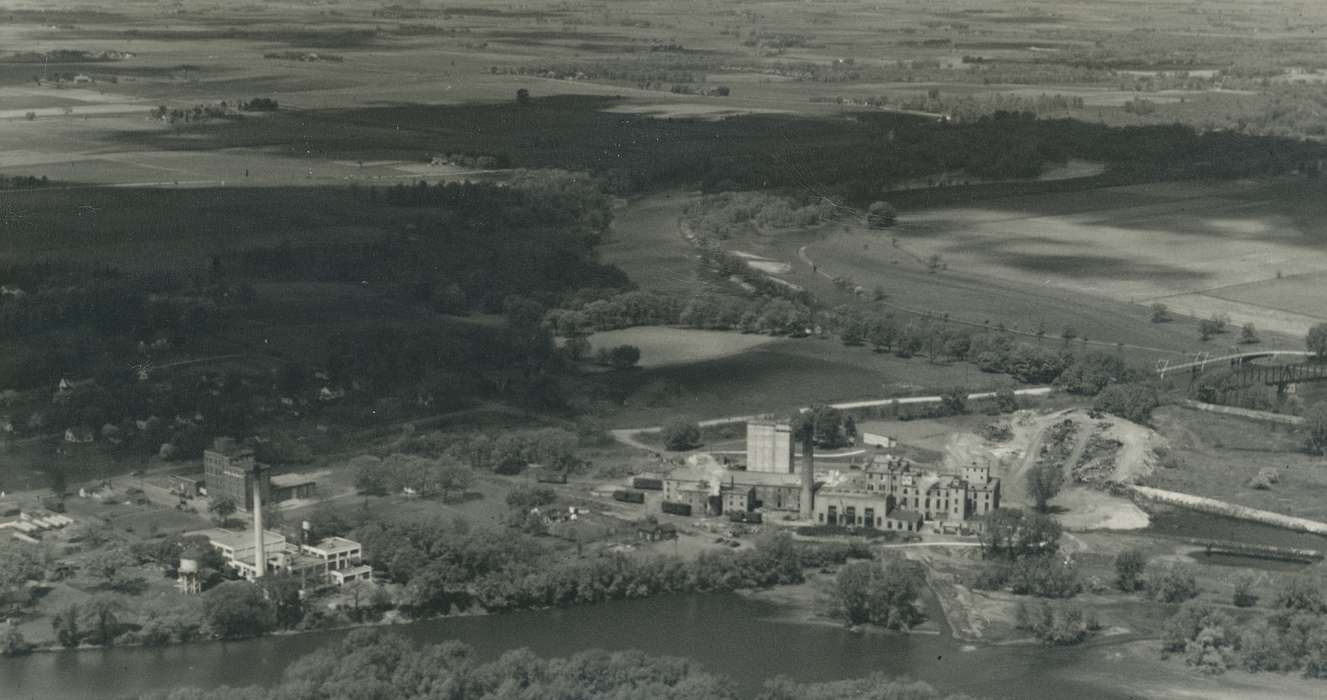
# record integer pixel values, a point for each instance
(808, 477)
(259, 552)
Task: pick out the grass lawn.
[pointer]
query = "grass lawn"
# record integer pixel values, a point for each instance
(1220, 454)
(660, 347)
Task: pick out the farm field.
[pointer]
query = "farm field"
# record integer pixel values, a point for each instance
(1191, 246)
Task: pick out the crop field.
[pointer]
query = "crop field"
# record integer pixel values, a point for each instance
(1247, 249)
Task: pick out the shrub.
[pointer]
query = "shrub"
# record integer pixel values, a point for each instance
(1244, 596)
(1058, 624)
(1129, 566)
(1173, 583)
(1134, 402)
(681, 435)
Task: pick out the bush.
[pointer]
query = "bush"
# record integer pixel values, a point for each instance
(1244, 596)
(1057, 624)
(1129, 566)
(1173, 583)
(1046, 576)
(1134, 402)
(681, 434)
(12, 642)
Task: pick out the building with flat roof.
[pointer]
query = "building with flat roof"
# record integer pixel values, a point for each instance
(289, 487)
(336, 553)
(329, 561)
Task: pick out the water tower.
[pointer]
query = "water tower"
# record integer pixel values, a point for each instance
(187, 579)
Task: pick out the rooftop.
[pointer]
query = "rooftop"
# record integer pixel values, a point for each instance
(743, 478)
(288, 480)
(238, 540)
(334, 544)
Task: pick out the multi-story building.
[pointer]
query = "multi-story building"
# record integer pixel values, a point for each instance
(768, 491)
(229, 470)
(769, 447)
(891, 485)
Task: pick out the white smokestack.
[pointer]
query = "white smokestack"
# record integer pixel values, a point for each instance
(259, 552)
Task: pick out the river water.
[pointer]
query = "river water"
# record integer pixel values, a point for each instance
(742, 638)
(745, 639)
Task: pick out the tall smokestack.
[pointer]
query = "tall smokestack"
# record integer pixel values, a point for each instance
(259, 552)
(808, 476)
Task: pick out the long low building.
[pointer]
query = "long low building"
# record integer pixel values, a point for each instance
(764, 490)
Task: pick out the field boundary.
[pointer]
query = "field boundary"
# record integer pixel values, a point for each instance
(1281, 418)
(1230, 510)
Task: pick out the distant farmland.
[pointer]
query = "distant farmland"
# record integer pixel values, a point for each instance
(1245, 249)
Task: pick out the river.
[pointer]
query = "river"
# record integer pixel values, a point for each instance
(742, 638)
(730, 634)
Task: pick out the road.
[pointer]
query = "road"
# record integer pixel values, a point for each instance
(627, 436)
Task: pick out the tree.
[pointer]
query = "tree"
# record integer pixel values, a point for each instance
(1091, 372)
(522, 96)
(1129, 566)
(223, 507)
(1315, 425)
(881, 215)
(12, 642)
(237, 609)
(681, 434)
(621, 357)
(1012, 533)
(1316, 341)
(1209, 327)
(1248, 335)
(369, 477)
(101, 615)
(867, 592)
(108, 562)
(1044, 481)
(1160, 313)
(576, 348)
(1172, 583)
(1134, 402)
(65, 624)
(19, 563)
(455, 477)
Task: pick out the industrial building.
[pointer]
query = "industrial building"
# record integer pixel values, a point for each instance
(769, 447)
(334, 560)
(891, 488)
(230, 470)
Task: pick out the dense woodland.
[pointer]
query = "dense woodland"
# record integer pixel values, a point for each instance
(377, 664)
